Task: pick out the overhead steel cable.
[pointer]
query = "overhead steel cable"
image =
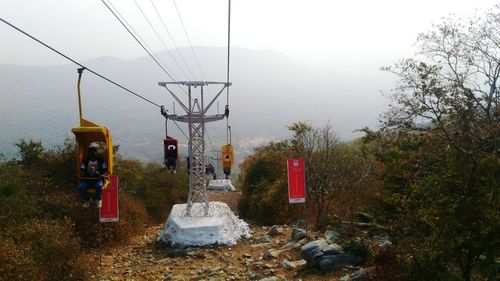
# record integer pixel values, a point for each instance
(181, 130)
(144, 47)
(135, 32)
(189, 40)
(159, 38)
(172, 39)
(140, 43)
(190, 44)
(79, 64)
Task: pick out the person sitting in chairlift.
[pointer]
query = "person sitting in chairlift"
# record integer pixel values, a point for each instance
(92, 169)
(171, 159)
(227, 171)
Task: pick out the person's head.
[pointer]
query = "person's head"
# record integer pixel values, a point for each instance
(92, 152)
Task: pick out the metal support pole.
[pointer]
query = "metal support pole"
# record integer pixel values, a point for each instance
(196, 117)
(80, 71)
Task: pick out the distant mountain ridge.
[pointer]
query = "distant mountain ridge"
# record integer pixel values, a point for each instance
(270, 91)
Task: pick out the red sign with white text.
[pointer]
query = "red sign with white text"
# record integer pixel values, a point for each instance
(109, 211)
(296, 180)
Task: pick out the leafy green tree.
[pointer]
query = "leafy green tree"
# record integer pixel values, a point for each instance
(264, 198)
(441, 151)
(31, 152)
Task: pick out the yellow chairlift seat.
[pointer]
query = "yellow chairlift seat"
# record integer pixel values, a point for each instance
(88, 133)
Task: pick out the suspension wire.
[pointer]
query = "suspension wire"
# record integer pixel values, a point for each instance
(142, 45)
(181, 130)
(139, 41)
(227, 77)
(190, 44)
(159, 38)
(189, 40)
(131, 28)
(135, 32)
(79, 64)
(172, 39)
(177, 125)
(145, 46)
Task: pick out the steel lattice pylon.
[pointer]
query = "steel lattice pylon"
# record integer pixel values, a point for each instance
(196, 118)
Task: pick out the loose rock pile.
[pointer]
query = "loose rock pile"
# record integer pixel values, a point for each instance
(329, 253)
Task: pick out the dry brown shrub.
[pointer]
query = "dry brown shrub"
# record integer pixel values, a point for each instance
(133, 219)
(42, 250)
(388, 265)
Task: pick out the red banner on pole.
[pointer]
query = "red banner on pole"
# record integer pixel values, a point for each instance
(296, 180)
(109, 211)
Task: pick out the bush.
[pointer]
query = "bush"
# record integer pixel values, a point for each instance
(150, 183)
(133, 219)
(387, 264)
(42, 250)
(31, 152)
(264, 196)
(359, 247)
(16, 205)
(40, 189)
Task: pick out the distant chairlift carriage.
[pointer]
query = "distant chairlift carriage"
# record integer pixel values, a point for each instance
(170, 153)
(170, 147)
(227, 159)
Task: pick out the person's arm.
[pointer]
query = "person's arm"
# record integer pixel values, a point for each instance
(83, 171)
(104, 167)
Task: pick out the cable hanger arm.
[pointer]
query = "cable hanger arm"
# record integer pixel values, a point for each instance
(215, 98)
(175, 97)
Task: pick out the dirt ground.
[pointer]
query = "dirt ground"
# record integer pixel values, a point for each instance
(140, 259)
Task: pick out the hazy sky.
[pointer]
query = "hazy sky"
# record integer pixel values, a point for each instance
(309, 30)
(337, 48)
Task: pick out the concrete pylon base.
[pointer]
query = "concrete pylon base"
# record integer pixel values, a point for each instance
(221, 184)
(221, 226)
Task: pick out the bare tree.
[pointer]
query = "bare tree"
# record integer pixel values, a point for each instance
(330, 167)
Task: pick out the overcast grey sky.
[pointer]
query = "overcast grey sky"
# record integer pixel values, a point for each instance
(309, 30)
(337, 48)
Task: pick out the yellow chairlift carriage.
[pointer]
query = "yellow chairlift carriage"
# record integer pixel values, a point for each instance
(227, 159)
(90, 133)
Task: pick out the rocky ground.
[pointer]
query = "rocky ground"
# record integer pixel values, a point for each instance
(268, 255)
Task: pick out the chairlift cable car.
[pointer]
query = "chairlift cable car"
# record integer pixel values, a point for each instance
(170, 146)
(227, 151)
(90, 133)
